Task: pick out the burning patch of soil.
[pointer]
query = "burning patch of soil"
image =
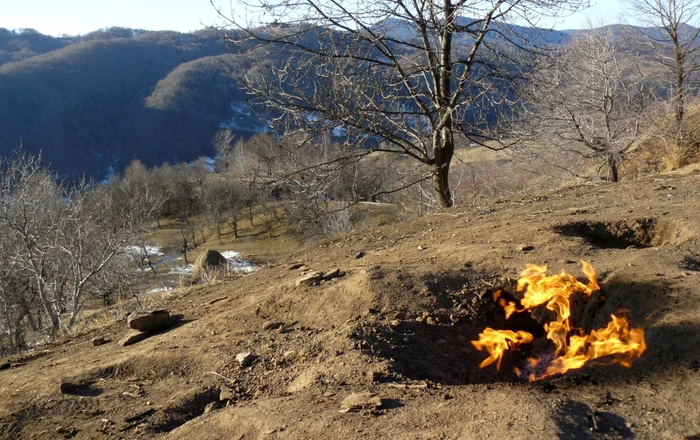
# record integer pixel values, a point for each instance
(615, 343)
(639, 233)
(531, 338)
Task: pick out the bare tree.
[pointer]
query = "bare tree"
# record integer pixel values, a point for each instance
(588, 101)
(673, 34)
(63, 237)
(223, 145)
(407, 77)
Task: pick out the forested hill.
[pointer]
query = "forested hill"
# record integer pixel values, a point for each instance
(98, 101)
(95, 102)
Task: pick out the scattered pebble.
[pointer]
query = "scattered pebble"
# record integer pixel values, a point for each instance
(246, 359)
(360, 401)
(272, 325)
(226, 394)
(99, 340)
(149, 320)
(310, 278)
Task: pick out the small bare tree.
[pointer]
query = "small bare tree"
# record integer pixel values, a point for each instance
(587, 101)
(223, 145)
(672, 33)
(407, 78)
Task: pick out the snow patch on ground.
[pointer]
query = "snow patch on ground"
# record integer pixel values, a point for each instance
(243, 119)
(182, 270)
(137, 251)
(160, 289)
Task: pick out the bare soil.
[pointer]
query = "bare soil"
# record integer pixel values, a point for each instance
(398, 324)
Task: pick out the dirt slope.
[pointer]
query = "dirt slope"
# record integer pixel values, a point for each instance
(399, 324)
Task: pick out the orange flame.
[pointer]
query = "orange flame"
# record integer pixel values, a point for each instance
(572, 351)
(496, 342)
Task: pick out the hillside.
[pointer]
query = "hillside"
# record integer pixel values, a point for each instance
(93, 103)
(399, 324)
(89, 106)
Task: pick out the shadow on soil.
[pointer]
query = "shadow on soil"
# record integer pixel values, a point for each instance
(691, 263)
(441, 352)
(578, 421)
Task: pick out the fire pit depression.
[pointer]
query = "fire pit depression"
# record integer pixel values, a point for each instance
(566, 347)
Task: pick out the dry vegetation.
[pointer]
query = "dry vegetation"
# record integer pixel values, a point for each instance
(398, 324)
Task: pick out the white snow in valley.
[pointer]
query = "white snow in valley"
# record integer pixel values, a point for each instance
(242, 119)
(236, 264)
(138, 251)
(182, 270)
(160, 289)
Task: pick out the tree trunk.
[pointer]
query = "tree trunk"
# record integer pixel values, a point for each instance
(613, 167)
(614, 176)
(48, 308)
(680, 103)
(443, 150)
(442, 186)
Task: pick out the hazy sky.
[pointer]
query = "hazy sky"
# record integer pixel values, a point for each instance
(73, 17)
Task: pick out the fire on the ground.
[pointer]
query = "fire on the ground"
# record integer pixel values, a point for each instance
(618, 343)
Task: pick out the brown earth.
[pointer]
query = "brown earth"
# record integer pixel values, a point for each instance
(398, 324)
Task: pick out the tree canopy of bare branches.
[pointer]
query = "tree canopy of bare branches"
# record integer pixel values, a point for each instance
(408, 77)
(58, 240)
(588, 100)
(672, 33)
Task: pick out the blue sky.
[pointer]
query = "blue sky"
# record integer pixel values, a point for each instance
(72, 17)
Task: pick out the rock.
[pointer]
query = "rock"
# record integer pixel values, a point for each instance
(359, 255)
(66, 432)
(361, 401)
(421, 248)
(272, 325)
(246, 359)
(134, 337)
(226, 394)
(99, 340)
(5, 366)
(335, 273)
(395, 322)
(289, 354)
(310, 278)
(294, 266)
(207, 261)
(211, 406)
(525, 248)
(430, 320)
(149, 320)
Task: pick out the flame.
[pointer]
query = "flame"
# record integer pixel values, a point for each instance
(573, 349)
(496, 342)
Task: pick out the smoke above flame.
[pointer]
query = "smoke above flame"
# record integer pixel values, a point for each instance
(618, 343)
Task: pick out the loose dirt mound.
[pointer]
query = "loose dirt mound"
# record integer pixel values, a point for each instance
(399, 324)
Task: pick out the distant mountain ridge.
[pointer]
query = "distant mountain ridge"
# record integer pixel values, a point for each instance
(100, 100)
(107, 99)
